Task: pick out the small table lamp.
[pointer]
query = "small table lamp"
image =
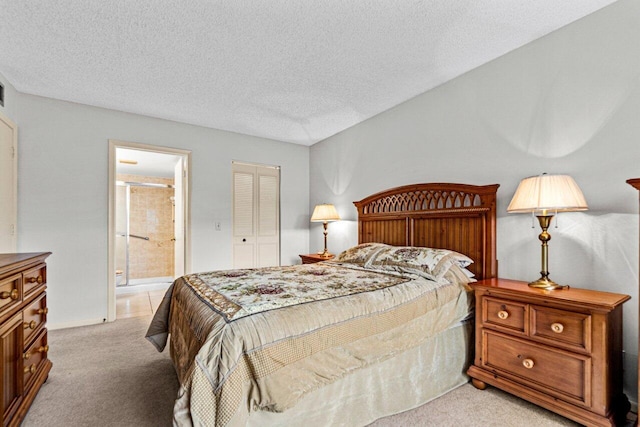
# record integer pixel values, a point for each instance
(324, 213)
(546, 195)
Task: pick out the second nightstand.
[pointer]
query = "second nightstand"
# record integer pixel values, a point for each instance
(559, 349)
(311, 258)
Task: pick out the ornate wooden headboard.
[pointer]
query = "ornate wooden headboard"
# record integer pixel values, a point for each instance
(458, 217)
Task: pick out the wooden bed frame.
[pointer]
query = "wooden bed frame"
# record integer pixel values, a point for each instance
(459, 217)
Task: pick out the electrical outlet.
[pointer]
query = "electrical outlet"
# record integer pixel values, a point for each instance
(218, 226)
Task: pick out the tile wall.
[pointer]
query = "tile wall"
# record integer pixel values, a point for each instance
(151, 215)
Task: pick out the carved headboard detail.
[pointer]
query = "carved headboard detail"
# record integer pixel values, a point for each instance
(458, 217)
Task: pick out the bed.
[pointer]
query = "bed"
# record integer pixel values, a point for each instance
(384, 327)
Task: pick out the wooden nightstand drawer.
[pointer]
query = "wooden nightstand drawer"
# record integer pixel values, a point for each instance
(559, 349)
(504, 314)
(562, 328)
(545, 368)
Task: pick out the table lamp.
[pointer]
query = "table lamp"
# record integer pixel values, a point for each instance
(324, 213)
(546, 195)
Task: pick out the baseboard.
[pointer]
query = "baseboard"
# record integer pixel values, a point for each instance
(74, 324)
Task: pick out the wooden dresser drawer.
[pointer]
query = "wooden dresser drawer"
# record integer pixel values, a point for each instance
(34, 356)
(556, 372)
(561, 328)
(10, 293)
(505, 314)
(33, 279)
(35, 316)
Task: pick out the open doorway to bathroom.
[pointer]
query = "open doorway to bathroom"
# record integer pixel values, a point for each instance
(148, 224)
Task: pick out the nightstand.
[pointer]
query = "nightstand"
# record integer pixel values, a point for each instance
(559, 349)
(312, 258)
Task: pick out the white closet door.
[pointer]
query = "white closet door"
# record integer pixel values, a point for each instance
(256, 216)
(268, 233)
(244, 239)
(8, 185)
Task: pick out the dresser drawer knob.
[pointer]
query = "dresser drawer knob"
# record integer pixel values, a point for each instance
(30, 325)
(503, 314)
(557, 328)
(38, 280)
(30, 369)
(527, 363)
(14, 294)
(43, 310)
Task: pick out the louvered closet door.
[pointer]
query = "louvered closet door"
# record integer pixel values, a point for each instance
(256, 216)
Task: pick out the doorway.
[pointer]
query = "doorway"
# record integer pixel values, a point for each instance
(148, 222)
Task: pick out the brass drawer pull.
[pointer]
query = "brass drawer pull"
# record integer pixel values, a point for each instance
(31, 325)
(503, 314)
(30, 370)
(557, 328)
(528, 363)
(43, 310)
(14, 294)
(39, 280)
(40, 349)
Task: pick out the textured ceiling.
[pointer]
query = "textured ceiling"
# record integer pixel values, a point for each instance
(291, 70)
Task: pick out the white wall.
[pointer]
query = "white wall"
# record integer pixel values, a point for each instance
(567, 103)
(63, 194)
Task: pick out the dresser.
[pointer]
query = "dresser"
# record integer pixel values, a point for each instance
(23, 335)
(559, 349)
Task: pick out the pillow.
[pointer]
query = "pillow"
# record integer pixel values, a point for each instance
(430, 262)
(457, 274)
(359, 254)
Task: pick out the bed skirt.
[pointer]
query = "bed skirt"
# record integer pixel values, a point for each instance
(399, 384)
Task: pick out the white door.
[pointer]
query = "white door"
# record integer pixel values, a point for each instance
(8, 185)
(256, 216)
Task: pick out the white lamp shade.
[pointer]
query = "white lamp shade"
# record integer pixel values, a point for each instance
(548, 193)
(325, 212)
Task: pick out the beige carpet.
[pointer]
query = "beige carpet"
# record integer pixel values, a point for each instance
(109, 375)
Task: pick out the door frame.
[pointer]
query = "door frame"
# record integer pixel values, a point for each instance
(14, 202)
(111, 267)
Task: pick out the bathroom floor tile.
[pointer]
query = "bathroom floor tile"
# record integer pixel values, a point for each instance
(133, 305)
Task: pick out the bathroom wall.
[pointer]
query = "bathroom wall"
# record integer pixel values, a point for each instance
(151, 215)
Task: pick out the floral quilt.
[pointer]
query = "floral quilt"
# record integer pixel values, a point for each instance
(238, 293)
